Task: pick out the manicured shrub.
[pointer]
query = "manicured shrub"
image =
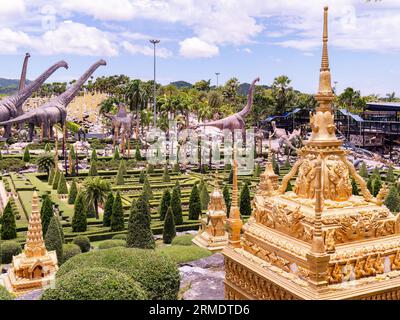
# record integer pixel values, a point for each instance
(177, 168)
(82, 242)
(157, 274)
(27, 155)
(138, 155)
(275, 165)
(71, 163)
(147, 189)
(227, 197)
(122, 167)
(257, 170)
(56, 179)
(95, 284)
(169, 231)
(354, 187)
(62, 185)
(8, 225)
(70, 250)
(194, 204)
(287, 165)
(230, 177)
(377, 185)
(183, 254)
(51, 176)
(390, 175)
(184, 240)
(164, 204)
(150, 168)
(393, 200)
(176, 205)
(79, 220)
(73, 192)
(93, 156)
(370, 185)
(289, 187)
(116, 155)
(8, 249)
(53, 239)
(60, 228)
(178, 187)
(363, 172)
(108, 210)
(165, 176)
(245, 202)
(46, 212)
(117, 216)
(47, 148)
(139, 231)
(107, 244)
(93, 168)
(142, 176)
(5, 295)
(119, 180)
(204, 197)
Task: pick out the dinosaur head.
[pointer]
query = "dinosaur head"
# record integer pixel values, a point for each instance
(102, 62)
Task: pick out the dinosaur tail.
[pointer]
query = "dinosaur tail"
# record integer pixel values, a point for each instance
(17, 120)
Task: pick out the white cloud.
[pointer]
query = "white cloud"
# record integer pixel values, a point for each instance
(146, 50)
(76, 38)
(197, 48)
(11, 41)
(11, 9)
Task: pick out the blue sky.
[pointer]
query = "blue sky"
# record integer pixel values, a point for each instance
(244, 39)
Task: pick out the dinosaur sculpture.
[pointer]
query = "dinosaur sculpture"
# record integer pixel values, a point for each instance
(8, 105)
(54, 111)
(122, 125)
(283, 137)
(22, 83)
(235, 121)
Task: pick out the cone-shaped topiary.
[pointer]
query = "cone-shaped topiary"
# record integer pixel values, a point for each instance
(177, 168)
(116, 154)
(354, 187)
(227, 197)
(287, 165)
(46, 212)
(93, 168)
(108, 210)
(8, 225)
(390, 175)
(194, 204)
(370, 186)
(204, 197)
(169, 231)
(376, 173)
(289, 187)
(27, 155)
(176, 205)
(178, 186)
(56, 179)
(73, 192)
(141, 176)
(47, 148)
(257, 170)
(62, 187)
(275, 165)
(245, 202)
(53, 239)
(230, 178)
(164, 204)
(82, 242)
(147, 189)
(60, 228)
(117, 217)
(94, 155)
(363, 170)
(393, 200)
(119, 179)
(79, 220)
(122, 167)
(138, 155)
(51, 176)
(166, 177)
(377, 185)
(71, 162)
(139, 231)
(150, 168)
(90, 210)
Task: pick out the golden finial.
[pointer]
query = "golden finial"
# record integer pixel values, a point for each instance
(235, 185)
(269, 148)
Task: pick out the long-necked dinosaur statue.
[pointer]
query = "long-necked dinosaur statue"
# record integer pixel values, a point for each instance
(54, 111)
(8, 105)
(22, 83)
(237, 120)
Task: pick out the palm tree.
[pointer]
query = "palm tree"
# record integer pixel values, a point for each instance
(282, 93)
(136, 98)
(45, 162)
(95, 191)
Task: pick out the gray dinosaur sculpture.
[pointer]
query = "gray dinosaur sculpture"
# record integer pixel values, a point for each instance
(122, 121)
(22, 83)
(11, 106)
(237, 120)
(54, 111)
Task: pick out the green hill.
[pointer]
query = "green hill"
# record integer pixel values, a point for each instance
(9, 86)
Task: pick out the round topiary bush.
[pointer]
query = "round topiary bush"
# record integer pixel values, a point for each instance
(4, 294)
(9, 249)
(157, 274)
(184, 240)
(95, 284)
(121, 236)
(107, 244)
(70, 250)
(82, 242)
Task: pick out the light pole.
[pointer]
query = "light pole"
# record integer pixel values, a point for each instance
(154, 42)
(217, 74)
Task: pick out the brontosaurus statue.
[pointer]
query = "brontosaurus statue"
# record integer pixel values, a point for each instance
(22, 83)
(8, 105)
(283, 137)
(235, 121)
(54, 111)
(122, 125)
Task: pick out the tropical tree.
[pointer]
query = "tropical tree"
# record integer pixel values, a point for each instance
(45, 162)
(95, 192)
(8, 225)
(117, 217)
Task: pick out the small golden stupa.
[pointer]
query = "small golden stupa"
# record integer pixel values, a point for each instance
(35, 267)
(318, 241)
(212, 234)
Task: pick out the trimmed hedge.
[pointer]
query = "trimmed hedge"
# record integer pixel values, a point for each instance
(107, 244)
(5, 295)
(82, 242)
(95, 284)
(157, 274)
(185, 240)
(9, 249)
(70, 250)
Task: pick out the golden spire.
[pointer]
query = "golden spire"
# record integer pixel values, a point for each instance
(318, 245)
(34, 246)
(234, 187)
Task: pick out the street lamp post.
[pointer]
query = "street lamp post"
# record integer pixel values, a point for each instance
(217, 74)
(154, 42)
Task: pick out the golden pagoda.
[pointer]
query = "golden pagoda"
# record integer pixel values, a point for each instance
(318, 241)
(212, 235)
(35, 267)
